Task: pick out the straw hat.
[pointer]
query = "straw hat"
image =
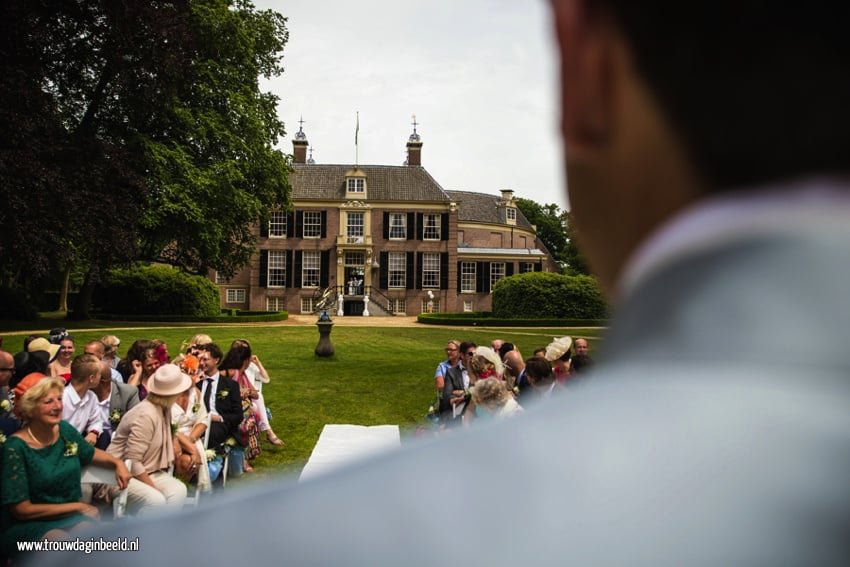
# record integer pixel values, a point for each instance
(45, 345)
(168, 380)
(558, 348)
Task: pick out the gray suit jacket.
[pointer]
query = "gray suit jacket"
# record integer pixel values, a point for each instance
(714, 430)
(123, 397)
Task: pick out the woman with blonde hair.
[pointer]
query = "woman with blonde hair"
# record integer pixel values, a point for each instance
(144, 436)
(41, 469)
(493, 398)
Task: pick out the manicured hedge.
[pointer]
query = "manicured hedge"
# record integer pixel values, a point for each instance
(548, 295)
(157, 290)
(240, 317)
(486, 319)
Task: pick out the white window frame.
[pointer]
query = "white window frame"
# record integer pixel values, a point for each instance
(431, 226)
(220, 280)
(468, 275)
(276, 269)
(527, 267)
(398, 230)
(467, 307)
(275, 303)
(356, 185)
(313, 221)
(496, 275)
(431, 270)
(397, 306)
(510, 215)
(277, 224)
(235, 291)
(435, 306)
(307, 305)
(311, 268)
(355, 224)
(397, 270)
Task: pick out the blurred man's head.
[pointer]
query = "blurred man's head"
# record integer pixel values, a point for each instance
(647, 133)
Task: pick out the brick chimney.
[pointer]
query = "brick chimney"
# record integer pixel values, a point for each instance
(414, 147)
(299, 145)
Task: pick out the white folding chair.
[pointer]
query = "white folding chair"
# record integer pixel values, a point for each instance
(95, 474)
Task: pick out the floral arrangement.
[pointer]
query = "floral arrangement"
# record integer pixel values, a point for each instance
(173, 428)
(70, 448)
(210, 454)
(190, 364)
(5, 406)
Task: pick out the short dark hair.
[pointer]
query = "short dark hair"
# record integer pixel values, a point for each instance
(213, 350)
(538, 369)
(756, 91)
(236, 357)
(505, 349)
(465, 345)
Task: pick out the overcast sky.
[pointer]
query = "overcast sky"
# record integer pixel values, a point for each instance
(479, 75)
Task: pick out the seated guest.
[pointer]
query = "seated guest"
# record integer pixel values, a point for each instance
(515, 366)
(61, 367)
(41, 463)
(258, 375)
(221, 398)
(111, 344)
(8, 422)
(235, 363)
(136, 352)
(114, 399)
(453, 396)
(144, 436)
(485, 364)
(492, 398)
(581, 360)
(143, 369)
(80, 405)
(98, 349)
(191, 419)
(541, 378)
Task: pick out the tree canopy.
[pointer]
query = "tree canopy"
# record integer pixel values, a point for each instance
(555, 231)
(136, 131)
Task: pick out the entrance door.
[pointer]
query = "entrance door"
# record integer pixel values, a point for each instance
(354, 273)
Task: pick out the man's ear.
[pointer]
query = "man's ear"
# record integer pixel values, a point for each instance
(587, 65)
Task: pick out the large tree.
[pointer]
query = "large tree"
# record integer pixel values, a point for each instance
(555, 231)
(136, 131)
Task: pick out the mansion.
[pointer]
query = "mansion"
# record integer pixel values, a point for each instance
(383, 240)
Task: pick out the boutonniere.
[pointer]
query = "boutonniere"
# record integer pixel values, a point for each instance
(222, 394)
(115, 417)
(516, 390)
(70, 449)
(5, 406)
(173, 429)
(2, 439)
(195, 407)
(231, 442)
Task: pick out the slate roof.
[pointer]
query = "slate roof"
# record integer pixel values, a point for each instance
(383, 182)
(480, 207)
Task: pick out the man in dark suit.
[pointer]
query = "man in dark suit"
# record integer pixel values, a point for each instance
(221, 398)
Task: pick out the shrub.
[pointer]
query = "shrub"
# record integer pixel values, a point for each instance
(157, 290)
(16, 304)
(548, 295)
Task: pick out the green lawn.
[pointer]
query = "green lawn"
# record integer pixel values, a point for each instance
(377, 375)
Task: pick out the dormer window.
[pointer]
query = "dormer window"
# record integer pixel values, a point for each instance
(510, 215)
(356, 185)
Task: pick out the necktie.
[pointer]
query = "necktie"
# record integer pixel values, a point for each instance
(207, 394)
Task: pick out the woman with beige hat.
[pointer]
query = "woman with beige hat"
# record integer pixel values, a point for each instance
(144, 436)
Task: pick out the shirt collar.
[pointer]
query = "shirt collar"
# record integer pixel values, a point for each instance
(728, 217)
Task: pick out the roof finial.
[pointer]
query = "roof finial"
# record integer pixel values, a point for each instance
(300, 135)
(311, 161)
(414, 137)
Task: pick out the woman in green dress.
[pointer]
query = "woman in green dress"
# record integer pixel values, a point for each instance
(41, 463)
